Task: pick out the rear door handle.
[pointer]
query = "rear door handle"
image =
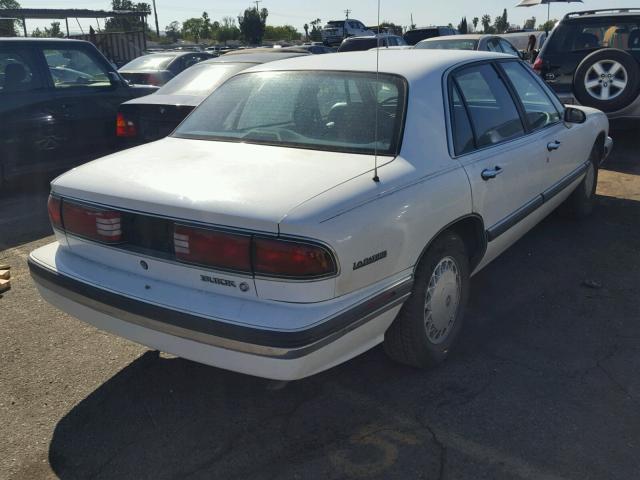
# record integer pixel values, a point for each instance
(489, 173)
(555, 145)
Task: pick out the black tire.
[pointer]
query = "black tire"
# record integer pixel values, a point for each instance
(584, 72)
(581, 202)
(406, 340)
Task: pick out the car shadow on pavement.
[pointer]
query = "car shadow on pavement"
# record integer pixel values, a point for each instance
(549, 350)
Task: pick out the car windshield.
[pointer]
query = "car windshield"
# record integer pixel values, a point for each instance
(202, 79)
(150, 62)
(320, 110)
(449, 44)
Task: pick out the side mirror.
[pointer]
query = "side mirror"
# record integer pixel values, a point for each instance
(574, 115)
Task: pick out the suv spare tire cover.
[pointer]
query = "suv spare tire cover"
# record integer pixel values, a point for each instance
(607, 79)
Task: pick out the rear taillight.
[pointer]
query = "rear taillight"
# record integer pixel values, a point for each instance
(93, 223)
(537, 65)
(55, 215)
(284, 258)
(211, 248)
(125, 127)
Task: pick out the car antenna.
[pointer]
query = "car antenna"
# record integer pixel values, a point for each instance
(376, 178)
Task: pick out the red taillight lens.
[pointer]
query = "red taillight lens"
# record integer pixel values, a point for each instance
(55, 215)
(93, 223)
(211, 248)
(537, 65)
(125, 127)
(283, 258)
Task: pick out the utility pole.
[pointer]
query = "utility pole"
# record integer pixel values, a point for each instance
(155, 13)
(347, 12)
(257, 2)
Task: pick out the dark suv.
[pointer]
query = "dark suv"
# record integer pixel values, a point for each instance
(417, 34)
(58, 104)
(592, 58)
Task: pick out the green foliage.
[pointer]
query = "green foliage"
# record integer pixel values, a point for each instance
(173, 31)
(548, 25)
(462, 26)
(252, 25)
(9, 28)
(475, 23)
(52, 32)
(486, 24)
(501, 23)
(284, 32)
(128, 24)
(192, 29)
(228, 30)
(316, 30)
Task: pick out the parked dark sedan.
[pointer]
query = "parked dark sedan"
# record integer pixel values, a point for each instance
(155, 116)
(58, 102)
(159, 68)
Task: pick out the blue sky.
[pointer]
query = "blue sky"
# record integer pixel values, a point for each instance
(297, 12)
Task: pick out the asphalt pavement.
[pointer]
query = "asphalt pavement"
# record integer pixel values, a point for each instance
(544, 384)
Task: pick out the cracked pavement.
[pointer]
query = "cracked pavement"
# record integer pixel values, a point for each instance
(544, 384)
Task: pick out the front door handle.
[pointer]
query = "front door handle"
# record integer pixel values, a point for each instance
(553, 145)
(489, 173)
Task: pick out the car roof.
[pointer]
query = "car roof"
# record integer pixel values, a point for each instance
(600, 14)
(40, 39)
(369, 37)
(411, 64)
(465, 36)
(254, 57)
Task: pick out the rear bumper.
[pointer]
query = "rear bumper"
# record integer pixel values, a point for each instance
(283, 355)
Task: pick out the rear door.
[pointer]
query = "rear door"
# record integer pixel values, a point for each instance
(504, 162)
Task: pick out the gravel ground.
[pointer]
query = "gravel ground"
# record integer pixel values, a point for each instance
(544, 384)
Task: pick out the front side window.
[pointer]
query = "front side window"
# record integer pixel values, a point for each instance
(72, 67)
(17, 72)
(539, 109)
(493, 113)
(333, 111)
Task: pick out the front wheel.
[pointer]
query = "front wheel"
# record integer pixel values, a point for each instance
(431, 319)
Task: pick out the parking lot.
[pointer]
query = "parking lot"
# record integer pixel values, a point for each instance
(545, 383)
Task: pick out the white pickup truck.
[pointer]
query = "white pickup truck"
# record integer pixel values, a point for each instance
(337, 30)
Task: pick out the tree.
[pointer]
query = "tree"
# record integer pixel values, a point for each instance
(284, 32)
(252, 25)
(316, 30)
(228, 30)
(306, 31)
(486, 23)
(475, 23)
(462, 26)
(192, 28)
(9, 28)
(127, 24)
(530, 24)
(173, 30)
(548, 25)
(501, 23)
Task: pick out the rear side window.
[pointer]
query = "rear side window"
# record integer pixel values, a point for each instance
(494, 115)
(460, 125)
(72, 67)
(17, 72)
(539, 109)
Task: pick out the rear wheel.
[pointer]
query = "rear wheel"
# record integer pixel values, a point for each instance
(581, 202)
(431, 319)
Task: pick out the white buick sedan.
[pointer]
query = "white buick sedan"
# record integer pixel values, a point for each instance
(313, 208)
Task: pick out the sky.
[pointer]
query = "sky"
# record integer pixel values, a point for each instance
(297, 12)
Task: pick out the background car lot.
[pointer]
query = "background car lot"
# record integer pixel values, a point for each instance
(543, 385)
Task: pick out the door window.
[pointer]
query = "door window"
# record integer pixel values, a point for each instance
(17, 72)
(493, 45)
(462, 132)
(493, 112)
(539, 109)
(508, 48)
(74, 68)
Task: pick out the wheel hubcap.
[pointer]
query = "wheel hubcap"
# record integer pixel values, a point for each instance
(441, 300)
(606, 80)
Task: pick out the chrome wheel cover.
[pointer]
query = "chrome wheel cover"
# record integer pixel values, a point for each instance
(442, 299)
(606, 80)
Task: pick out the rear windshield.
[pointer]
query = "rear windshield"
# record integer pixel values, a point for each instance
(414, 36)
(339, 23)
(202, 79)
(150, 62)
(334, 111)
(360, 44)
(449, 44)
(622, 33)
